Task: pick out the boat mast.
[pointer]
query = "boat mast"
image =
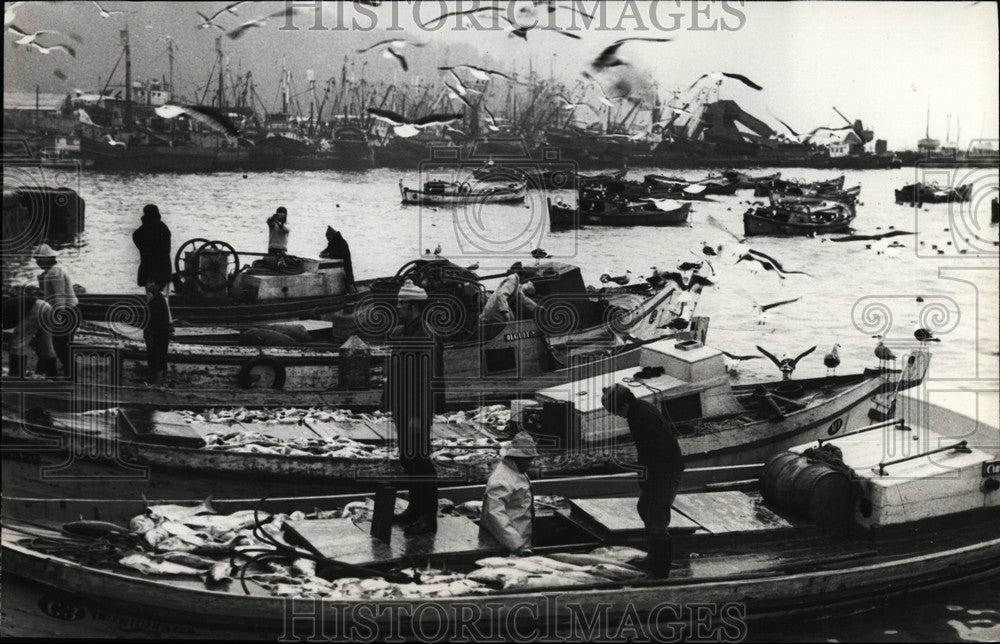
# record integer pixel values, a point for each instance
(218, 52)
(170, 58)
(128, 79)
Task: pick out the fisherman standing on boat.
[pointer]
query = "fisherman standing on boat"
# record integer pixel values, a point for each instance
(152, 239)
(508, 503)
(277, 238)
(415, 364)
(30, 316)
(157, 331)
(662, 463)
(57, 289)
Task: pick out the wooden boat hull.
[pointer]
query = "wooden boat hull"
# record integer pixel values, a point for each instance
(754, 224)
(565, 217)
(50, 596)
(126, 309)
(179, 472)
(497, 195)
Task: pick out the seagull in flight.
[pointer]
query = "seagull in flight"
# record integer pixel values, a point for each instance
(461, 88)
(464, 14)
(48, 50)
(480, 73)
(762, 309)
(10, 12)
(104, 12)
(206, 22)
(406, 127)
(26, 38)
(768, 263)
(609, 56)
(521, 31)
(392, 47)
(260, 22)
(786, 365)
(718, 77)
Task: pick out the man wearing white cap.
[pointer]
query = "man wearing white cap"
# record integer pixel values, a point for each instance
(509, 504)
(415, 365)
(57, 290)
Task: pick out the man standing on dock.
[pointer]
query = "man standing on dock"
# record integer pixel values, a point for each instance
(277, 238)
(415, 364)
(659, 455)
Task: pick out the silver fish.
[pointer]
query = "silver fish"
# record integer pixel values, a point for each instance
(586, 560)
(188, 559)
(622, 554)
(303, 568)
(171, 512)
(514, 562)
(219, 573)
(93, 528)
(615, 572)
(173, 544)
(147, 566)
(141, 524)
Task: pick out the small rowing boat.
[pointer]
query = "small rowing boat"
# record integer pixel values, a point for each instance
(600, 210)
(442, 193)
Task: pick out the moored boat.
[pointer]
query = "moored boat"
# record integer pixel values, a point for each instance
(788, 218)
(918, 193)
(744, 545)
(764, 189)
(440, 193)
(295, 451)
(605, 211)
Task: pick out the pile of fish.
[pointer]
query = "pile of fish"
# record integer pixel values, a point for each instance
(253, 442)
(603, 565)
(280, 416)
(490, 416)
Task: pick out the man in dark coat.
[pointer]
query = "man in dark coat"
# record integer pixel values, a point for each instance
(156, 331)
(415, 366)
(152, 239)
(660, 457)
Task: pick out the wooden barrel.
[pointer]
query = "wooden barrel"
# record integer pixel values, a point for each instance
(809, 489)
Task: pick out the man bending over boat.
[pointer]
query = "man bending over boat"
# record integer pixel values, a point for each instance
(659, 455)
(415, 363)
(508, 504)
(31, 318)
(509, 297)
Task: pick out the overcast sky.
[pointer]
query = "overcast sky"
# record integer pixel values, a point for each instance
(879, 61)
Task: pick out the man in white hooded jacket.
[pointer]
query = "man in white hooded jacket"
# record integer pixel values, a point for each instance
(508, 504)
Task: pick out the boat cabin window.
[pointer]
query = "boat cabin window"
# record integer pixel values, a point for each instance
(682, 408)
(498, 360)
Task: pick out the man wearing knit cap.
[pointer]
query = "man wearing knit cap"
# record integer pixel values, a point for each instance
(57, 290)
(508, 503)
(659, 455)
(415, 365)
(277, 237)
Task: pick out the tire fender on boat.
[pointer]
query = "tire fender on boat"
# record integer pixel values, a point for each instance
(256, 369)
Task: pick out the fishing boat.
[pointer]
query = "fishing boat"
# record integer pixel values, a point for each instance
(603, 210)
(744, 181)
(786, 218)
(441, 193)
(806, 538)
(297, 451)
(825, 187)
(918, 193)
(212, 286)
(485, 359)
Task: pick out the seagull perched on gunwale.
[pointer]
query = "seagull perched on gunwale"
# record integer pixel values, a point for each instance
(832, 360)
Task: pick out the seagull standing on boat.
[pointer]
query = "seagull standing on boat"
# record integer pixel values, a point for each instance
(882, 352)
(786, 365)
(924, 336)
(832, 360)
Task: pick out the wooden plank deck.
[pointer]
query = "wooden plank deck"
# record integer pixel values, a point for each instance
(720, 512)
(618, 515)
(343, 540)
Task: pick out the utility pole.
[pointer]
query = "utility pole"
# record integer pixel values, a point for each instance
(170, 57)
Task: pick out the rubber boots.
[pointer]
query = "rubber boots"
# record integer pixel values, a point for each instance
(659, 557)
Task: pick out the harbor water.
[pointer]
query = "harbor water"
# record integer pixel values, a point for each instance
(944, 278)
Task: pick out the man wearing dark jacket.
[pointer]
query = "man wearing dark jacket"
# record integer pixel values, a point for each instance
(157, 331)
(152, 239)
(662, 463)
(415, 364)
